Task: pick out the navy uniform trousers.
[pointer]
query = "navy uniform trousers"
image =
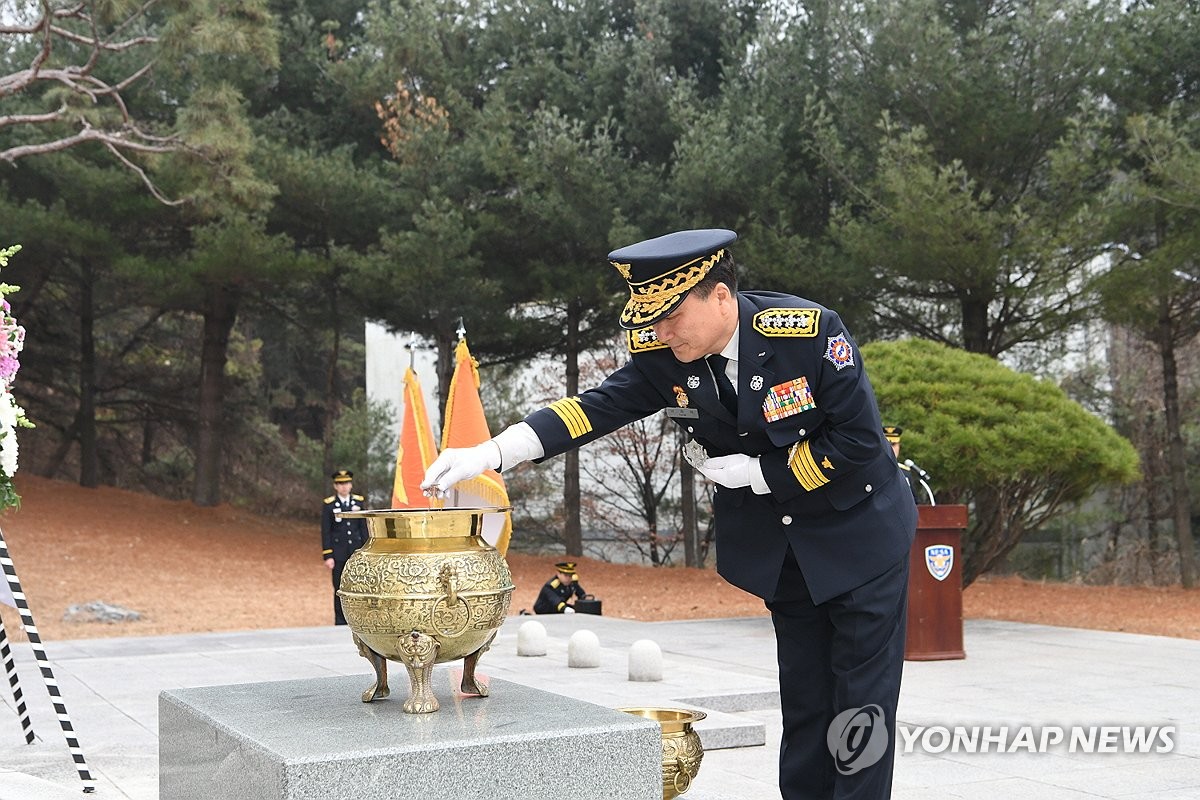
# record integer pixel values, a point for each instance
(863, 629)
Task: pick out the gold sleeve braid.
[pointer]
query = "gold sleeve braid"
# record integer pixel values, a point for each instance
(571, 413)
(805, 467)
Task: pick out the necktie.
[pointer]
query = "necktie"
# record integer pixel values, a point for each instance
(724, 388)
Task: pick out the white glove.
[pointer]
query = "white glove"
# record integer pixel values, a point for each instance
(459, 464)
(568, 610)
(517, 443)
(735, 471)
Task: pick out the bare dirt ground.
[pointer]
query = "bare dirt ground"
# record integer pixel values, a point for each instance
(188, 570)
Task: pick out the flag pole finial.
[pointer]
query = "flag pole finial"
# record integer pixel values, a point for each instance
(462, 330)
(411, 347)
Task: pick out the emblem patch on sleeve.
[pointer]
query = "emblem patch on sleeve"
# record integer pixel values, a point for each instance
(799, 322)
(789, 398)
(839, 352)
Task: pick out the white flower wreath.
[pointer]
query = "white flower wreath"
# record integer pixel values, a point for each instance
(12, 416)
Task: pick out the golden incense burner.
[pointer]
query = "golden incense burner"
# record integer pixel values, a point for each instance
(681, 749)
(425, 589)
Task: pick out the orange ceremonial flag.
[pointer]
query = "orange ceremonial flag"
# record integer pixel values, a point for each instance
(466, 426)
(416, 450)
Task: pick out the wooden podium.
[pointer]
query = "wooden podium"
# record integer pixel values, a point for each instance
(935, 630)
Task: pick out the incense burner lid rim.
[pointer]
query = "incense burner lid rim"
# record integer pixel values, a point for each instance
(379, 512)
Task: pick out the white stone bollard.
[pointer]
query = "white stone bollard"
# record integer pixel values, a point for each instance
(645, 661)
(583, 649)
(531, 639)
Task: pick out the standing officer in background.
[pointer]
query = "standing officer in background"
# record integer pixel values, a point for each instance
(913, 475)
(558, 593)
(811, 513)
(340, 539)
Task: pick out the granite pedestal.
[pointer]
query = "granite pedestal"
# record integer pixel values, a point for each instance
(315, 738)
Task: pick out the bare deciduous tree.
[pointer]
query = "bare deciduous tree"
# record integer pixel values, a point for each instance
(70, 100)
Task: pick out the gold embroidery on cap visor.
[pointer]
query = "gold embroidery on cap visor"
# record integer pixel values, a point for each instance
(649, 301)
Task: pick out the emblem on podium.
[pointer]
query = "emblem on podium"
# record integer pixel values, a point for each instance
(939, 558)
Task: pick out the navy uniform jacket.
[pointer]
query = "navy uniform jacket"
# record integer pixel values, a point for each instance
(340, 539)
(554, 595)
(806, 407)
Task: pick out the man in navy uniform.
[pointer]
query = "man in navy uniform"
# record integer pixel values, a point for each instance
(893, 433)
(913, 474)
(339, 539)
(811, 512)
(559, 593)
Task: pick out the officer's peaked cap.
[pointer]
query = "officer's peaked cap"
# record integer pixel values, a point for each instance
(892, 432)
(566, 567)
(661, 271)
(342, 475)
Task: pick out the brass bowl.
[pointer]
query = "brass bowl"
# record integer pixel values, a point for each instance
(681, 749)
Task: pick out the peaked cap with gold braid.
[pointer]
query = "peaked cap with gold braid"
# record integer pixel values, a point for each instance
(661, 271)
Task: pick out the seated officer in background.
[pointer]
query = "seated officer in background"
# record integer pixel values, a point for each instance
(559, 593)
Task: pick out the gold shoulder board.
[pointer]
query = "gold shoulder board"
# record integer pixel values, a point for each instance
(793, 322)
(643, 339)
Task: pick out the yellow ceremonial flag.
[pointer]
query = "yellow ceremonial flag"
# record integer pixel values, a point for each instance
(466, 426)
(416, 450)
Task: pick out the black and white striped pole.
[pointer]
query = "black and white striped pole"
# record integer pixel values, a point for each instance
(39, 653)
(10, 669)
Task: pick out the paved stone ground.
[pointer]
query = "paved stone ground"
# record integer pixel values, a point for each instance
(1028, 678)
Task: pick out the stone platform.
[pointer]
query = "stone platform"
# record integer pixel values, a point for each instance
(315, 738)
